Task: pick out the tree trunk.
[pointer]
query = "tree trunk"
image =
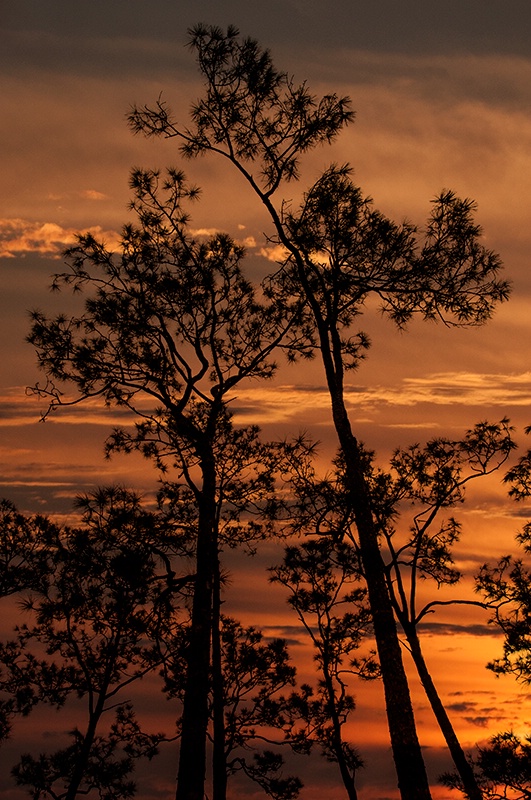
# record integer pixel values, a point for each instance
(407, 754)
(463, 767)
(346, 775)
(192, 758)
(83, 757)
(219, 765)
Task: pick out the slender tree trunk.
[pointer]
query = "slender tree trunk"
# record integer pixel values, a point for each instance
(219, 766)
(463, 767)
(83, 757)
(407, 754)
(346, 775)
(192, 758)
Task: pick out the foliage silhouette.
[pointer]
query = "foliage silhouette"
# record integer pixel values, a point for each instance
(502, 767)
(171, 327)
(324, 581)
(431, 481)
(94, 629)
(506, 587)
(503, 764)
(254, 672)
(424, 484)
(21, 566)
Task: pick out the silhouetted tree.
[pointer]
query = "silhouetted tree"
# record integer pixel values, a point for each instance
(170, 327)
(423, 481)
(107, 767)
(22, 566)
(506, 587)
(503, 764)
(254, 672)
(339, 250)
(93, 630)
(502, 768)
(327, 593)
(430, 481)
(246, 511)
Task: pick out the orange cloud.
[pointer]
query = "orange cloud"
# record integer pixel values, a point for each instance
(276, 253)
(469, 388)
(249, 242)
(92, 194)
(21, 236)
(204, 232)
(443, 389)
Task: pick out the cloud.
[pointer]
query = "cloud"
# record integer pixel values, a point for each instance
(452, 629)
(276, 253)
(204, 232)
(466, 389)
(477, 714)
(293, 635)
(451, 389)
(461, 708)
(290, 402)
(22, 407)
(469, 388)
(18, 237)
(479, 722)
(92, 194)
(249, 242)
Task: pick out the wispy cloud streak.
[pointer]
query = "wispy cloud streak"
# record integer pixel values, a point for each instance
(441, 389)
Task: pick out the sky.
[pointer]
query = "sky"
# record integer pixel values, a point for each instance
(442, 94)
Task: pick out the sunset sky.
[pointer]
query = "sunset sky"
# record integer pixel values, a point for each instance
(442, 93)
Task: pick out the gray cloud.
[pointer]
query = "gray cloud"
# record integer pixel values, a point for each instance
(461, 707)
(479, 722)
(449, 629)
(383, 25)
